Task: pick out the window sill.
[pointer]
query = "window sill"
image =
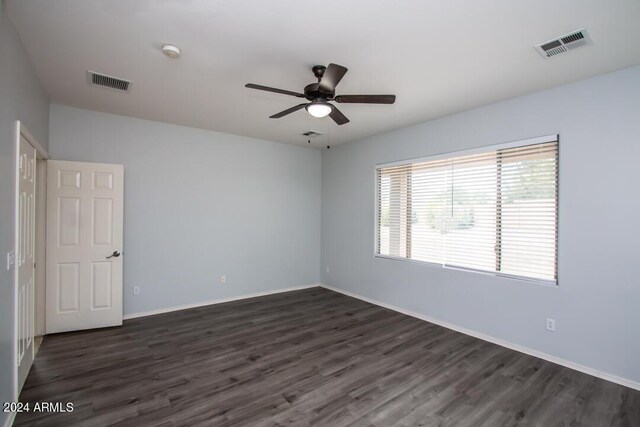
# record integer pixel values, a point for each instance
(542, 282)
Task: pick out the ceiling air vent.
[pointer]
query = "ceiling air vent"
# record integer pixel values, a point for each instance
(312, 133)
(109, 81)
(563, 43)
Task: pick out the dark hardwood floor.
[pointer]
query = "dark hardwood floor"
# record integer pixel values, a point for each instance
(311, 357)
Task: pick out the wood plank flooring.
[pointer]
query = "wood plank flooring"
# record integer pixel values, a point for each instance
(303, 358)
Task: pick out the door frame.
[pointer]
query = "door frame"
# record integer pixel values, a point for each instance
(41, 153)
(40, 248)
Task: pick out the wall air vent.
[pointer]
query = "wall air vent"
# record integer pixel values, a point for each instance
(312, 133)
(563, 43)
(103, 80)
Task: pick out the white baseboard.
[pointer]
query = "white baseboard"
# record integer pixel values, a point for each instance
(217, 301)
(10, 419)
(563, 362)
(585, 369)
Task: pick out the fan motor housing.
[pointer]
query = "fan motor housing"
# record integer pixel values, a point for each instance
(313, 92)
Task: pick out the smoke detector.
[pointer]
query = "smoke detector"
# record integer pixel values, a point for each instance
(171, 51)
(563, 43)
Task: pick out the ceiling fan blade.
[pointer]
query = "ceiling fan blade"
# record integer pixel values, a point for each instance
(365, 99)
(273, 89)
(337, 115)
(288, 111)
(332, 76)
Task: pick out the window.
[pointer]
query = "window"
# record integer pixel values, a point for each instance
(493, 210)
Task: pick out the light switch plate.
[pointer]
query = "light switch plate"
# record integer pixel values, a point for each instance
(11, 259)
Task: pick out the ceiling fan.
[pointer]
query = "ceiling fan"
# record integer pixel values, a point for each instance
(324, 91)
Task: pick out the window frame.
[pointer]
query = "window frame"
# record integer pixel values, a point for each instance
(465, 152)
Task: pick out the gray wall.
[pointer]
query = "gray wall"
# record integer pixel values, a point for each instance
(200, 204)
(597, 302)
(21, 98)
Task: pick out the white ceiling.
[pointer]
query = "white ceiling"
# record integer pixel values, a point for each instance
(437, 56)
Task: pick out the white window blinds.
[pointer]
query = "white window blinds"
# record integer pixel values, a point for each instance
(494, 211)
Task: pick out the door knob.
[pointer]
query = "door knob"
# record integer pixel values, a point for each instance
(115, 254)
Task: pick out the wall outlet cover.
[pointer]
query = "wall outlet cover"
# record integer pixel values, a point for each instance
(551, 325)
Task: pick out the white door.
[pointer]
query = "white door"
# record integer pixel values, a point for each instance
(26, 181)
(84, 244)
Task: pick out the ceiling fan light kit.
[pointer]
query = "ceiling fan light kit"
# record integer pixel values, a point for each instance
(318, 109)
(324, 91)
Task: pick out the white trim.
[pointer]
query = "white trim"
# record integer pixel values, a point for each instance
(542, 282)
(469, 151)
(16, 239)
(217, 301)
(559, 361)
(10, 419)
(40, 284)
(22, 130)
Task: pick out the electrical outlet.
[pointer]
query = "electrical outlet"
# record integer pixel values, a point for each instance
(328, 270)
(223, 279)
(551, 325)
(11, 259)
(136, 290)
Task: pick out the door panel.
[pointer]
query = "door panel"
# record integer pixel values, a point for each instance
(69, 221)
(101, 285)
(25, 257)
(102, 221)
(84, 227)
(68, 288)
